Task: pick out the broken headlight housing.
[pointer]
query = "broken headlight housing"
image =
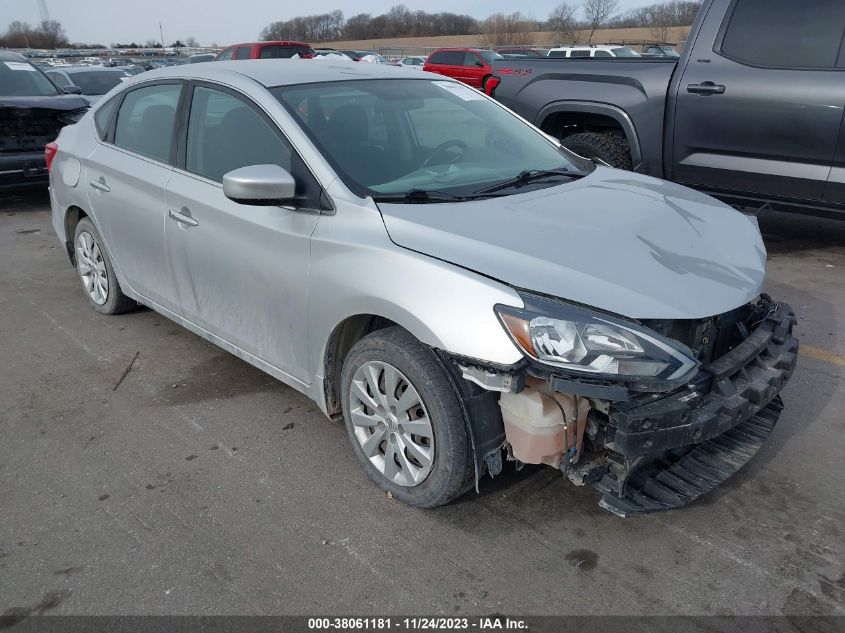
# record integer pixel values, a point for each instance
(584, 341)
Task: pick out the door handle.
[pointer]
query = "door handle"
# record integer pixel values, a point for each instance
(706, 88)
(100, 185)
(182, 217)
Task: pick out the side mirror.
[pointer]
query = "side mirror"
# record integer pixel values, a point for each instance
(479, 64)
(264, 185)
(72, 90)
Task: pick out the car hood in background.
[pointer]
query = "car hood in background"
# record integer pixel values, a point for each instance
(614, 240)
(52, 102)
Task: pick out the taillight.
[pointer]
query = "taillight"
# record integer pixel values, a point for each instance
(491, 85)
(50, 151)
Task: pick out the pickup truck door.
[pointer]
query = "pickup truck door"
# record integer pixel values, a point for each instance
(835, 191)
(759, 112)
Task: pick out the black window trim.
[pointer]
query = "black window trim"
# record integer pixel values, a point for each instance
(723, 29)
(109, 138)
(322, 203)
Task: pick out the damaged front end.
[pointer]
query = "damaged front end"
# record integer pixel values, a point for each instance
(653, 414)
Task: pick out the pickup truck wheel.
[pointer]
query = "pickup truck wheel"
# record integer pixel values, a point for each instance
(96, 272)
(610, 149)
(404, 419)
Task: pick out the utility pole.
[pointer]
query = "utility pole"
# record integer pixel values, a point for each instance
(42, 7)
(161, 33)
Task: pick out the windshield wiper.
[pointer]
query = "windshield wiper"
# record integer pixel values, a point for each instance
(423, 196)
(526, 177)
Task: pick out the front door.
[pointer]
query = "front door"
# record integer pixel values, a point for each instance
(126, 176)
(760, 114)
(241, 270)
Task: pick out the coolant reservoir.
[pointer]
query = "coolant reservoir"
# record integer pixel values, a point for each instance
(535, 427)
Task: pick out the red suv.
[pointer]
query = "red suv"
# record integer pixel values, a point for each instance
(266, 50)
(469, 65)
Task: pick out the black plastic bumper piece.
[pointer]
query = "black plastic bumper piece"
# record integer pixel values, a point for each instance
(726, 392)
(685, 475)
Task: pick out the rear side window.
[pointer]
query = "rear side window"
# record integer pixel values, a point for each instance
(146, 120)
(557, 53)
(225, 133)
(243, 52)
(450, 58)
(580, 53)
(102, 118)
(785, 33)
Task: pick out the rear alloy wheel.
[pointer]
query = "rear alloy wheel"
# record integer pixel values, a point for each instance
(404, 419)
(96, 272)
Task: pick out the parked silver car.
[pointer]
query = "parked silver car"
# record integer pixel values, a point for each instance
(432, 268)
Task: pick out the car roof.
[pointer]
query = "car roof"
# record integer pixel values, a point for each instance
(595, 47)
(9, 56)
(271, 43)
(278, 72)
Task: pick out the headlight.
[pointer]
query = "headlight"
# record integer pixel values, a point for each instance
(587, 342)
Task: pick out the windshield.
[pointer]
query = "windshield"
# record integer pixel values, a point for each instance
(670, 52)
(22, 79)
(395, 136)
(97, 82)
(624, 51)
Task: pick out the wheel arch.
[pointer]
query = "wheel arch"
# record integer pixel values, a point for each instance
(590, 116)
(73, 214)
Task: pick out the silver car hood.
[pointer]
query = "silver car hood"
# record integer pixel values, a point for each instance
(614, 240)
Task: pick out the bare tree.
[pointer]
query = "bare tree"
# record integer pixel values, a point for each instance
(191, 42)
(562, 22)
(506, 30)
(597, 13)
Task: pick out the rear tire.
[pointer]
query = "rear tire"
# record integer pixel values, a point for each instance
(404, 419)
(607, 147)
(96, 272)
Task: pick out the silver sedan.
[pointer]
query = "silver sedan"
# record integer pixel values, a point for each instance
(443, 275)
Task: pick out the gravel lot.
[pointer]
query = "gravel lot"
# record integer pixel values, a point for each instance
(199, 485)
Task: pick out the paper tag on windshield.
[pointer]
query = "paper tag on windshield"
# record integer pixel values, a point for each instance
(460, 90)
(20, 66)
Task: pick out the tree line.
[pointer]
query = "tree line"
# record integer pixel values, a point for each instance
(46, 34)
(568, 21)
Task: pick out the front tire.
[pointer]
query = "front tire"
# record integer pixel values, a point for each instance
(96, 272)
(404, 419)
(607, 147)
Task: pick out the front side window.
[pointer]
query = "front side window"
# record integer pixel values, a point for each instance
(785, 33)
(225, 133)
(97, 82)
(22, 79)
(59, 79)
(243, 52)
(225, 55)
(603, 54)
(146, 120)
(622, 51)
(471, 59)
(277, 51)
(400, 135)
(490, 56)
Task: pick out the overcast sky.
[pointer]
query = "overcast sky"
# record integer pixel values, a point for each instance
(224, 21)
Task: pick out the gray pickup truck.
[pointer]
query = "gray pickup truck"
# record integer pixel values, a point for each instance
(751, 113)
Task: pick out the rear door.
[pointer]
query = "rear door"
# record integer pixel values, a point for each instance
(126, 176)
(759, 113)
(241, 270)
(835, 191)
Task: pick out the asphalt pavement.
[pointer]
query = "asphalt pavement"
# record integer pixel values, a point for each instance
(145, 471)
